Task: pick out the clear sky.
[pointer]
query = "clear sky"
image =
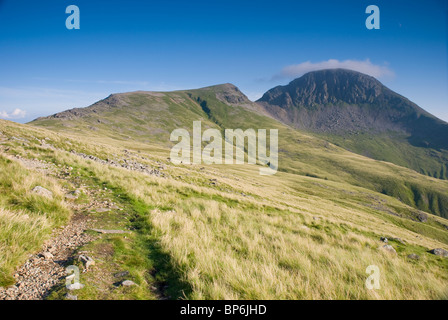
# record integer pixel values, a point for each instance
(167, 45)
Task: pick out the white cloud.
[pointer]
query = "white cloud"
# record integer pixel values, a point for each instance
(367, 67)
(16, 114)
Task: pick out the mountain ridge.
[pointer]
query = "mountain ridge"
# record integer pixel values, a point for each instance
(348, 108)
(343, 88)
(149, 118)
(359, 113)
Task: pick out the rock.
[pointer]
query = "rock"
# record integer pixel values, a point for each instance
(128, 283)
(110, 231)
(70, 197)
(423, 217)
(439, 252)
(121, 274)
(398, 240)
(37, 276)
(383, 239)
(87, 261)
(43, 192)
(389, 248)
(47, 255)
(413, 256)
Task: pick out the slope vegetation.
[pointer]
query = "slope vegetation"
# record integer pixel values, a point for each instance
(360, 114)
(149, 118)
(210, 232)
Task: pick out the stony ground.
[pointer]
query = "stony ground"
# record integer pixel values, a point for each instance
(45, 269)
(36, 278)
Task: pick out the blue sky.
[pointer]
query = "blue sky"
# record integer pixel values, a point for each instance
(167, 45)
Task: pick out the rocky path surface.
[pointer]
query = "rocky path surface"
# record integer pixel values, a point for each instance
(36, 278)
(43, 270)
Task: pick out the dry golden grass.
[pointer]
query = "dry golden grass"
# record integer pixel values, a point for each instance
(228, 246)
(26, 218)
(286, 236)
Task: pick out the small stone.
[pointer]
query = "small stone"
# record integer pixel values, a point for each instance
(121, 274)
(384, 239)
(47, 255)
(423, 217)
(70, 197)
(128, 283)
(413, 256)
(398, 240)
(87, 261)
(109, 231)
(43, 192)
(389, 248)
(439, 252)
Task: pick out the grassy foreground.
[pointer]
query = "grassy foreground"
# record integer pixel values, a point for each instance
(288, 236)
(26, 218)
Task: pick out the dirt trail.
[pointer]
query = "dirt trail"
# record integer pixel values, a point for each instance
(45, 269)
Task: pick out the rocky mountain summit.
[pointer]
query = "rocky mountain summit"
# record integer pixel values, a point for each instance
(344, 101)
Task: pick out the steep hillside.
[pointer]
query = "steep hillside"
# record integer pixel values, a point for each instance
(149, 118)
(214, 232)
(357, 112)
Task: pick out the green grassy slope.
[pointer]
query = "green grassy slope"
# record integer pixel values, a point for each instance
(150, 117)
(395, 148)
(26, 218)
(288, 236)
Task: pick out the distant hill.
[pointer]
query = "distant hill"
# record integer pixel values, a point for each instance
(151, 116)
(146, 119)
(359, 113)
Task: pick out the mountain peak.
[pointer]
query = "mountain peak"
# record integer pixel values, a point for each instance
(228, 93)
(341, 101)
(329, 86)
